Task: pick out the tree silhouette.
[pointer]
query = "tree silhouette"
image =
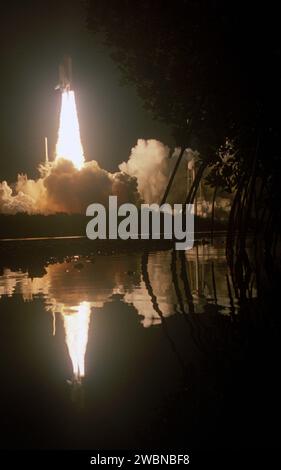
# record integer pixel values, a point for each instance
(212, 64)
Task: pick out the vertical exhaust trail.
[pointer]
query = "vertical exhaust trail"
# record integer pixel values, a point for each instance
(69, 144)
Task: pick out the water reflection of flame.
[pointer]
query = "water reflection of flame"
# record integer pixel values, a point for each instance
(176, 282)
(156, 286)
(76, 326)
(68, 284)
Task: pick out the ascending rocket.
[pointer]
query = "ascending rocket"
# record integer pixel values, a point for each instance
(65, 75)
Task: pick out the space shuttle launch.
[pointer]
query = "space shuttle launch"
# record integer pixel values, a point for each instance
(65, 75)
(69, 146)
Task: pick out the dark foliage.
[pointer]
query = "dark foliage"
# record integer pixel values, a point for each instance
(212, 64)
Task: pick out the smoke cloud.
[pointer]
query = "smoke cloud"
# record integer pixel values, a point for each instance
(151, 163)
(61, 187)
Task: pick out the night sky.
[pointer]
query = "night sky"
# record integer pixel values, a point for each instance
(34, 38)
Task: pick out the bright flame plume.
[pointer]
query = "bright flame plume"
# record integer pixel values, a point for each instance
(69, 144)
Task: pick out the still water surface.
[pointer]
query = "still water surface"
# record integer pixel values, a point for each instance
(119, 351)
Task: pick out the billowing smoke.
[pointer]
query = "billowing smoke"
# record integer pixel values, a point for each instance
(72, 190)
(62, 187)
(151, 164)
(69, 184)
(25, 195)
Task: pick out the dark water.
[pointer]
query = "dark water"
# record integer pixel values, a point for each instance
(134, 350)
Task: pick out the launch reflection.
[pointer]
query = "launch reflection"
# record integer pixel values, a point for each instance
(156, 285)
(76, 327)
(97, 279)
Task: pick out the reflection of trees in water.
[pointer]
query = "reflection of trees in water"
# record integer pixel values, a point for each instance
(145, 275)
(181, 282)
(156, 284)
(204, 290)
(187, 291)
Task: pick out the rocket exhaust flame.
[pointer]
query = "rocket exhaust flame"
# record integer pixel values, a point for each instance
(69, 144)
(69, 185)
